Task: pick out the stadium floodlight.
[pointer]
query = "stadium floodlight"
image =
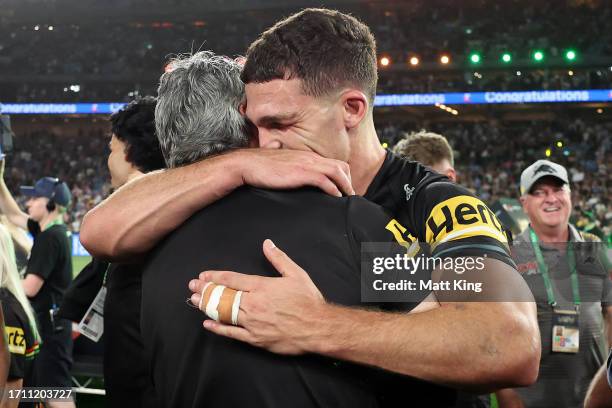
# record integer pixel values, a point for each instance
(475, 58)
(570, 55)
(538, 55)
(506, 57)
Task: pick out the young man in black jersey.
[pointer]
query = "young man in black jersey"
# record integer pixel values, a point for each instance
(48, 274)
(305, 94)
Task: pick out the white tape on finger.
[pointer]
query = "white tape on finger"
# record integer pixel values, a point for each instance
(213, 303)
(236, 308)
(202, 295)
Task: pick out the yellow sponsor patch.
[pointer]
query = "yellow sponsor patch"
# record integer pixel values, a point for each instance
(462, 217)
(16, 340)
(400, 233)
(403, 237)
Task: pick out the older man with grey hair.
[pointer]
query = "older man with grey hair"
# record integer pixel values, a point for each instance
(198, 116)
(210, 109)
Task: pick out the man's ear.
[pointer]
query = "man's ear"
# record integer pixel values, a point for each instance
(356, 107)
(523, 201)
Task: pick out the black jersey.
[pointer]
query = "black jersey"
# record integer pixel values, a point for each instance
(452, 222)
(192, 367)
(434, 210)
(22, 344)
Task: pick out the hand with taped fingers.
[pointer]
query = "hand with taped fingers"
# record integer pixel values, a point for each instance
(275, 313)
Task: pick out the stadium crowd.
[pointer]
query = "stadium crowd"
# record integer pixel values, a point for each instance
(492, 171)
(134, 53)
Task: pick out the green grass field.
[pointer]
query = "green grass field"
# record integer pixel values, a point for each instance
(78, 263)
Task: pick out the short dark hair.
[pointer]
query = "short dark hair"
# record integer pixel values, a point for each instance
(134, 125)
(326, 49)
(425, 147)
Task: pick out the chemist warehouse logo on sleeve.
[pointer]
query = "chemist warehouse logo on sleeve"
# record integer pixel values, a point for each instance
(16, 340)
(462, 217)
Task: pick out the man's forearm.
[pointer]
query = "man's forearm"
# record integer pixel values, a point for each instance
(139, 214)
(477, 346)
(136, 216)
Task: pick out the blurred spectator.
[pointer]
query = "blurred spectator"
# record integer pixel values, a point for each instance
(430, 149)
(491, 155)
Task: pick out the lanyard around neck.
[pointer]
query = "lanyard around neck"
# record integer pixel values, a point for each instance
(571, 261)
(56, 221)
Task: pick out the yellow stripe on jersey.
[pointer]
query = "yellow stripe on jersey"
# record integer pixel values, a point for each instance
(16, 340)
(462, 217)
(400, 233)
(403, 237)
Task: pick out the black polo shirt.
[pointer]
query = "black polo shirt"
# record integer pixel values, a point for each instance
(51, 260)
(192, 367)
(564, 378)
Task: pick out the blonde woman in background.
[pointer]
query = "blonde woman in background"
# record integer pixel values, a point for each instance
(20, 324)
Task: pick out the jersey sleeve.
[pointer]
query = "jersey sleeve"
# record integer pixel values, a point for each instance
(43, 258)
(372, 233)
(17, 335)
(454, 222)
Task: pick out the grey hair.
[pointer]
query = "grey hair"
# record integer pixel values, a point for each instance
(197, 113)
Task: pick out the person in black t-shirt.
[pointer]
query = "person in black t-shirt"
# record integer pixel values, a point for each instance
(20, 323)
(48, 274)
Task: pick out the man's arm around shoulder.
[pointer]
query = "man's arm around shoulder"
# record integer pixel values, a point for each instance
(134, 218)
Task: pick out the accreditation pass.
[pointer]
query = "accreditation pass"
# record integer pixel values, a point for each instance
(92, 324)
